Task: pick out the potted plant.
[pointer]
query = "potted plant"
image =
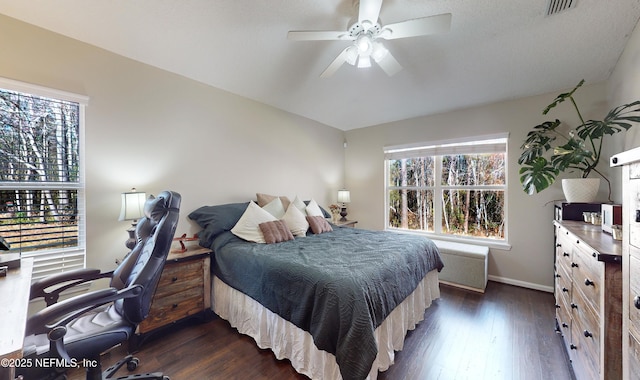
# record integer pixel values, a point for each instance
(548, 150)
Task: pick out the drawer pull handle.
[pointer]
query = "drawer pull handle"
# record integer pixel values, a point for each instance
(565, 325)
(587, 334)
(574, 306)
(174, 279)
(636, 302)
(558, 245)
(174, 305)
(565, 254)
(557, 306)
(574, 265)
(588, 282)
(573, 347)
(558, 276)
(594, 254)
(565, 290)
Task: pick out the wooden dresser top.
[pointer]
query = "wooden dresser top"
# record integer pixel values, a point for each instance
(592, 235)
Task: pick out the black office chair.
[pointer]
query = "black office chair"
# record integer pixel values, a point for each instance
(74, 332)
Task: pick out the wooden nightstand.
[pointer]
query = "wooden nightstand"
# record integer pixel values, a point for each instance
(184, 290)
(348, 223)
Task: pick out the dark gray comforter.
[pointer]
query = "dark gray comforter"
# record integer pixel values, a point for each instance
(339, 286)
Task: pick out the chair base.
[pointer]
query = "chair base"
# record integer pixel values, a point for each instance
(132, 363)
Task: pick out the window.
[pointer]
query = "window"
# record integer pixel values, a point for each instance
(41, 176)
(455, 189)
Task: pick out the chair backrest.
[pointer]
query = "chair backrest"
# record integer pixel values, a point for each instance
(144, 264)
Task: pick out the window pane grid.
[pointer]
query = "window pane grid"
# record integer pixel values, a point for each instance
(41, 185)
(450, 193)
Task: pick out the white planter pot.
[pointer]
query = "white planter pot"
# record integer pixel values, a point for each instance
(580, 190)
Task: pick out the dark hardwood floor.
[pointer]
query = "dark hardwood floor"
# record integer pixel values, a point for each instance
(506, 333)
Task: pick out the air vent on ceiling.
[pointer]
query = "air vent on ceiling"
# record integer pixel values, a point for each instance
(557, 6)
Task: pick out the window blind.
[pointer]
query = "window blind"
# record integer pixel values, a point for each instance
(42, 212)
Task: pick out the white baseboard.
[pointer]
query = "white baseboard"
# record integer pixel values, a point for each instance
(523, 284)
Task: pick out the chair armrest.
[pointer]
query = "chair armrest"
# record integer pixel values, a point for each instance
(63, 312)
(70, 279)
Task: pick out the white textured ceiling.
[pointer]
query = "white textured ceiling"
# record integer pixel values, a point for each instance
(496, 49)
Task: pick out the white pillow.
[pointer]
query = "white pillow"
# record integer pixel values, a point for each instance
(300, 205)
(248, 226)
(296, 221)
(313, 209)
(275, 208)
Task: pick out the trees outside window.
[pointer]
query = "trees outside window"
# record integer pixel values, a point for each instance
(448, 189)
(41, 185)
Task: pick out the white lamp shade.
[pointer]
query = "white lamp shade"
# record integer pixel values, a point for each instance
(344, 196)
(132, 205)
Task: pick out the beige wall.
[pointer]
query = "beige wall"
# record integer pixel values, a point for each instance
(153, 130)
(214, 147)
(529, 262)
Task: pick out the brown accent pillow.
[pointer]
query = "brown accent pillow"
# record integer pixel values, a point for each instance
(275, 231)
(263, 199)
(318, 224)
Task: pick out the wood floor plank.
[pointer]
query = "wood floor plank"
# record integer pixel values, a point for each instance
(506, 333)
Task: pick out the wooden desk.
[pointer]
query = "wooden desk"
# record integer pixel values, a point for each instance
(14, 298)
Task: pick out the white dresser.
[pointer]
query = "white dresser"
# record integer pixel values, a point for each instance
(630, 162)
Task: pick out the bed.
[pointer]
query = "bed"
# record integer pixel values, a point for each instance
(337, 304)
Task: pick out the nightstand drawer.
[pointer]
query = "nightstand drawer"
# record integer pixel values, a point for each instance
(182, 292)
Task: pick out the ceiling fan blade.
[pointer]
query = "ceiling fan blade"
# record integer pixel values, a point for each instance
(417, 27)
(389, 64)
(317, 35)
(369, 11)
(337, 63)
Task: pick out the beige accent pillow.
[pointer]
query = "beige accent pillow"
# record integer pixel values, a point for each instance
(300, 205)
(263, 199)
(275, 208)
(275, 231)
(318, 224)
(313, 209)
(296, 221)
(247, 227)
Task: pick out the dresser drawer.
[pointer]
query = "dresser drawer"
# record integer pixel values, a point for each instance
(634, 291)
(634, 357)
(564, 248)
(634, 206)
(588, 275)
(585, 336)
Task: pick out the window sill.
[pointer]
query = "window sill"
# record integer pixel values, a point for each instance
(493, 244)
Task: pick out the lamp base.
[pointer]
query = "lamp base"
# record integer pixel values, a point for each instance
(131, 241)
(343, 214)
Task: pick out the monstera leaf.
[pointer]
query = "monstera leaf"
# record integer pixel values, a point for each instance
(537, 175)
(541, 161)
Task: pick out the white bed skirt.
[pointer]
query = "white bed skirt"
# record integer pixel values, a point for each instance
(288, 341)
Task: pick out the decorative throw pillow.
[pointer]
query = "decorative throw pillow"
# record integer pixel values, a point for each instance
(263, 199)
(275, 231)
(275, 208)
(313, 209)
(300, 205)
(296, 221)
(318, 224)
(248, 228)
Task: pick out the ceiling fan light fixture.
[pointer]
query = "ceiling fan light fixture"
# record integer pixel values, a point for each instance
(379, 51)
(364, 62)
(364, 44)
(351, 55)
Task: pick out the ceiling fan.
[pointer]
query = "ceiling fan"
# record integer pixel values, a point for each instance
(366, 32)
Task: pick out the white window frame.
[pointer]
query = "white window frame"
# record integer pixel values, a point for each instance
(468, 145)
(47, 262)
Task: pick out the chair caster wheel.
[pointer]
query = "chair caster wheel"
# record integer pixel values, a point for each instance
(165, 378)
(133, 364)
